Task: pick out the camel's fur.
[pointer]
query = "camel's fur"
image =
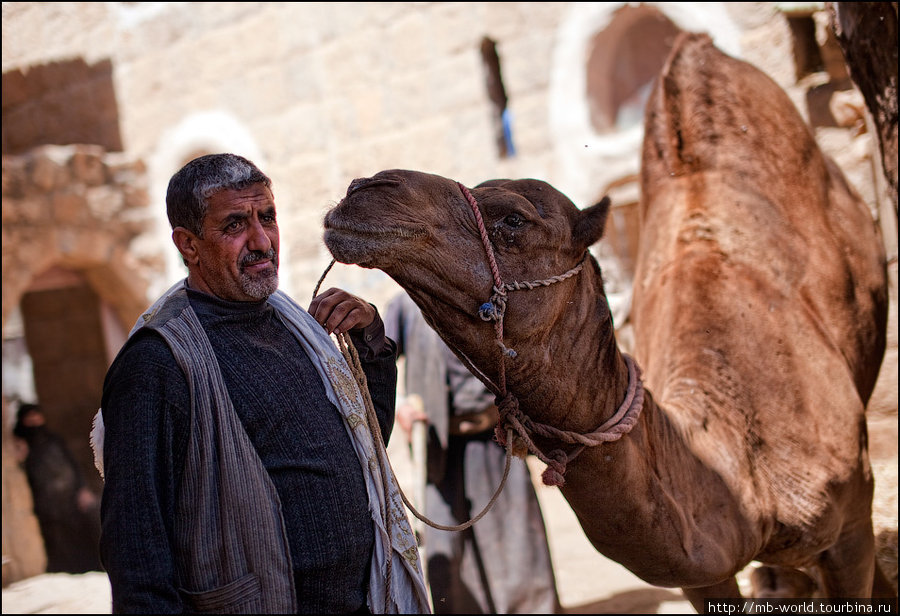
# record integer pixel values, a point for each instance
(759, 309)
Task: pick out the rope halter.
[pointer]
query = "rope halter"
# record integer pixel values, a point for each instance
(514, 428)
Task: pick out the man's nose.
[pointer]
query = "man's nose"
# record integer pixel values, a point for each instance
(257, 238)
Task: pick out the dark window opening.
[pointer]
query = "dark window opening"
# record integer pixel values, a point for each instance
(497, 94)
(807, 57)
(623, 63)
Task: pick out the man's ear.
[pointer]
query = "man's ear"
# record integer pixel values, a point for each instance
(186, 243)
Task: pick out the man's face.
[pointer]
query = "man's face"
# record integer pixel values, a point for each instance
(237, 256)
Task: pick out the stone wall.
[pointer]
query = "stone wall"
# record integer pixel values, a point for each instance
(70, 213)
(321, 93)
(81, 208)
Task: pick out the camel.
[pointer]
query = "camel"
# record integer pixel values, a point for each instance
(736, 430)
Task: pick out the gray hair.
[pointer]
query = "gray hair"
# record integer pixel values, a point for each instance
(189, 189)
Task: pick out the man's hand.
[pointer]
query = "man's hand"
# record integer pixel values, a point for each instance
(339, 311)
(87, 500)
(410, 410)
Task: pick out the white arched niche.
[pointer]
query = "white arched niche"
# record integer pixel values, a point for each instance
(205, 132)
(590, 164)
(589, 161)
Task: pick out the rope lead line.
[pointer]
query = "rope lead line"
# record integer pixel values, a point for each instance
(352, 357)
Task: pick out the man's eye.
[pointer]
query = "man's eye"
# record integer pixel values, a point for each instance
(514, 220)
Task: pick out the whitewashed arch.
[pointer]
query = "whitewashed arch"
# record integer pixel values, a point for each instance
(588, 161)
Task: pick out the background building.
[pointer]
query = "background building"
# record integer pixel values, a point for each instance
(103, 101)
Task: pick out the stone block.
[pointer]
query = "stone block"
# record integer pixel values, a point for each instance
(46, 174)
(67, 207)
(87, 166)
(104, 202)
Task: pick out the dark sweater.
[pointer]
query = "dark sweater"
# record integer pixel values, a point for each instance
(298, 434)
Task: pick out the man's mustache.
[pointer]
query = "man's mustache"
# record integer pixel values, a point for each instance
(255, 257)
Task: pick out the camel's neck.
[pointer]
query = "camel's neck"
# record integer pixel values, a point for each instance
(574, 378)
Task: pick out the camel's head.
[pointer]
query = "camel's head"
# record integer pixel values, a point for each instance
(422, 231)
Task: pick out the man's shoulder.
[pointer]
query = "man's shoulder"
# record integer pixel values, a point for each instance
(170, 305)
(145, 347)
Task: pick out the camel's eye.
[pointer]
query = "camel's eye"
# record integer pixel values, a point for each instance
(514, 220)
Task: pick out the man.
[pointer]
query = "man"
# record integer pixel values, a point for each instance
(66, 509)
(501, 564)
(240, 469)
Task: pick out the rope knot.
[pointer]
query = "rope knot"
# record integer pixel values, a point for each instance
(556, 468)
(488, 312)
(508, 352)
(509, 426)
(509, 408)
(495, 307)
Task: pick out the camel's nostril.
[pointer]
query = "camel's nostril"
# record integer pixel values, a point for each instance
(355, 185)
(360, 183)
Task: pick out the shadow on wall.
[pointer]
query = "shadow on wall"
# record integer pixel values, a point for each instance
(60, 103)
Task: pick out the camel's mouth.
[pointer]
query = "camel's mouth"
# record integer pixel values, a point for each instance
(364, 228)
(362, 245)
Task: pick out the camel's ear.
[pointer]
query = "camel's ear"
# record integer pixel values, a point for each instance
(589, 224)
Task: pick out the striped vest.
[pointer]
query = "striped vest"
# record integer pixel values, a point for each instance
(229, 533)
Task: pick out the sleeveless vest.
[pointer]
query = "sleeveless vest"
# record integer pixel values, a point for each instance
(231, 546)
